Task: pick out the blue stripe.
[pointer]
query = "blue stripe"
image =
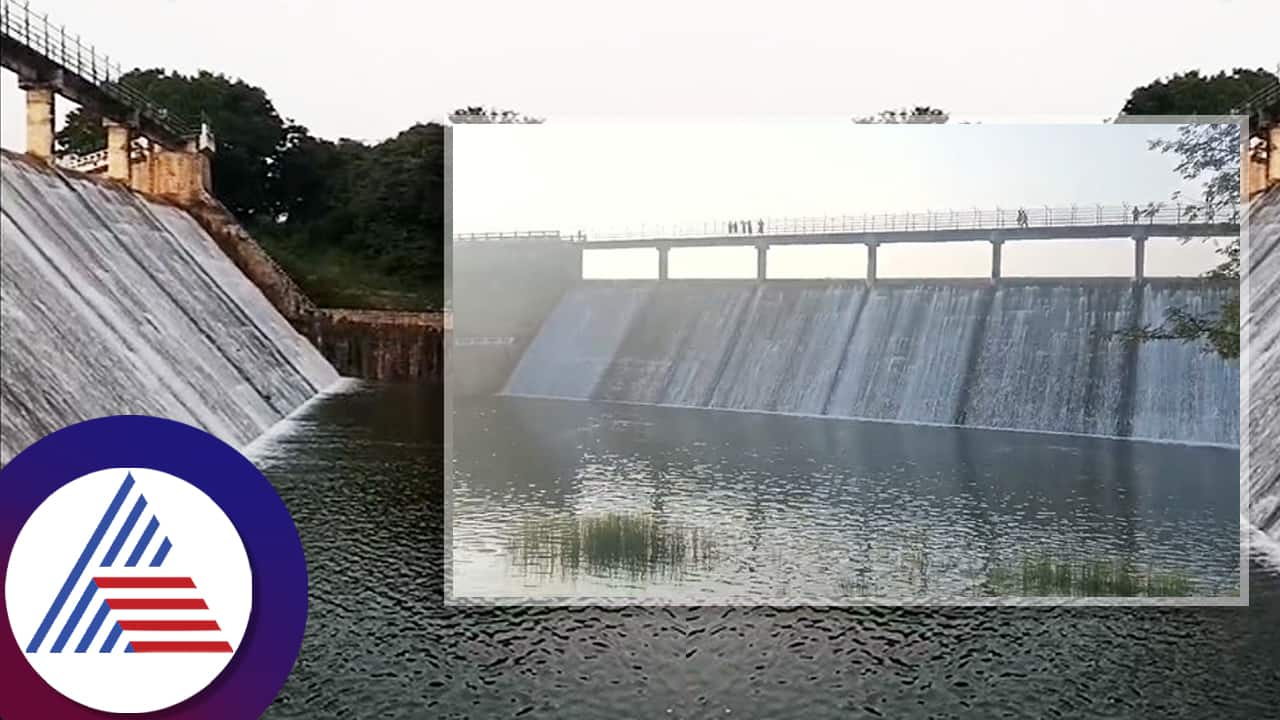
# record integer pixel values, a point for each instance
(111, 638)
(93, 628)
(136, 555)
(161, 553)
(89, 549)
(125, 529)
(128, 648)
(76, 614)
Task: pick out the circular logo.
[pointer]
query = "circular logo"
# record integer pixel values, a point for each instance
(149, 569)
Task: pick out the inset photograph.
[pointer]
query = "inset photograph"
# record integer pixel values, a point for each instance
(900, 359)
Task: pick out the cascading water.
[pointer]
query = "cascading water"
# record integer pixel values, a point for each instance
(1030, 355)
(1263, 333)
(113, 304)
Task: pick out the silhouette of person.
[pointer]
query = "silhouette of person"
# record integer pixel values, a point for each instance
(747, 225)
(1022, 218)
(1136, 213)
(760, 227)
(733, 227)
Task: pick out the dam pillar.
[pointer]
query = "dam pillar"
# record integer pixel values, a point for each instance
(40, 119)
(871, 263)
(996, 244)
(1139, 257)
(118, 141)
(762, 262)
(663, 251)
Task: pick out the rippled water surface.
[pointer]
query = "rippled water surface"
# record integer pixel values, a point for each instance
(557, 498)
(362, 475)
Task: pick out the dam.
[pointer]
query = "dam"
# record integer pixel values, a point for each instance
(1042, 355)
(113, 303)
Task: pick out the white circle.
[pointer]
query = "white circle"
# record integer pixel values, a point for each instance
(56, 556)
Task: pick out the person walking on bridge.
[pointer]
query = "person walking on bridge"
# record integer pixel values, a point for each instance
(1022, 217)
(1136, 214)
(747, 225)
(760, 227)
(733, 227)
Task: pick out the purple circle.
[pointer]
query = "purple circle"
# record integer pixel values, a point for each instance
(262, 663)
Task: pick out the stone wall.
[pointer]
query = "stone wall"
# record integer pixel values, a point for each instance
(379, 344)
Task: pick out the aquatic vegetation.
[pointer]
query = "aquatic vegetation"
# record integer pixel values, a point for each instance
(1046, 577)
(631, 545)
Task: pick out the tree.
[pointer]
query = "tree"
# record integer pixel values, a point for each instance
(1191, 93)
(479, 115)
(919, 114)
(1209, 152)
(354, 224)
(250, 132)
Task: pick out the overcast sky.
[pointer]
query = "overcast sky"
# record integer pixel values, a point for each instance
(369, 69)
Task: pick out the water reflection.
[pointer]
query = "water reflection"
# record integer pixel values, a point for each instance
(824, 509)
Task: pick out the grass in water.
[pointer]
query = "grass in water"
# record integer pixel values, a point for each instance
(632, 545)
(1048, 577)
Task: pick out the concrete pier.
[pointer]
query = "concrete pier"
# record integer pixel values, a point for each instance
(762, 262)
(871, 264)
(1139, 257)
(996, 245)
(663, 252)
(40, 119)
(119, 136)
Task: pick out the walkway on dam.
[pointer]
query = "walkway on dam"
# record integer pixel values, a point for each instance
(997, 226)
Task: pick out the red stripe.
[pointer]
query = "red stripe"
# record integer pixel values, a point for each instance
(156, 604)
(111, 583)
(181, 647)
(175, 625)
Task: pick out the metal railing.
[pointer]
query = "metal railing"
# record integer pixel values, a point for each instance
(930, 220)
(527, 236)
(19, 24)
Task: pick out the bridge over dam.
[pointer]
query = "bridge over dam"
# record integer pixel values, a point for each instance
(1037, 354)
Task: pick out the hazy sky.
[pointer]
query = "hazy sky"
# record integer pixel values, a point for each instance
(369, 69)
(622, 175)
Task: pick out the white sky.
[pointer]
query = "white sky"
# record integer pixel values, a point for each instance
(369, 69)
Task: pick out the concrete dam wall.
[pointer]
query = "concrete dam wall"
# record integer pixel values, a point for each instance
(1031, 355)
(114, 304)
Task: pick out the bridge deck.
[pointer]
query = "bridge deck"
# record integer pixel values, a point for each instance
(1055, 232)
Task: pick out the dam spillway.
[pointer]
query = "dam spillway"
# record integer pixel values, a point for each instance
(1041, 355)
(111, 303)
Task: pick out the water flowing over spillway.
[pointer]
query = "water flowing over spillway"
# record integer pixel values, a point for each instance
(114, 304)
(1031, 355)
(1263, 325)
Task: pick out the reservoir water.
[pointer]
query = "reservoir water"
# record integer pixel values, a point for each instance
(362, 474)
(558, 498)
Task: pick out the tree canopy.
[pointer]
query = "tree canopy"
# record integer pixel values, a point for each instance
(355, 224)
(1210, 153)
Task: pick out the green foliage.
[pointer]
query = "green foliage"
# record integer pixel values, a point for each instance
(631, 545)
(1051, 577)
(355, 224)
(250, 132)
(1192, 93)
(1210, 153)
